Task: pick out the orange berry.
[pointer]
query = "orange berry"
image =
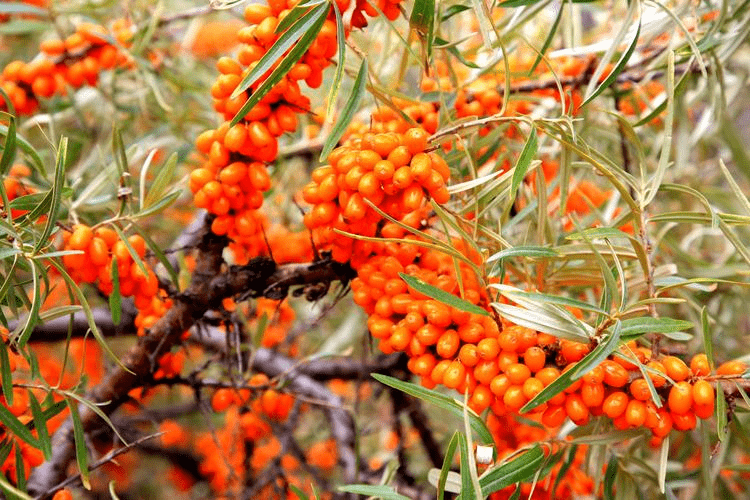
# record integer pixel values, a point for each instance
(576, 409)
(680, 397)
(615, 404)
(222, 399)
(675, 368)
(454, 375)
(535, 358)
(81, 237)
(98, 252)
(468, 355)
(635, 413)
(592, 394)
(614, 374)
(554, 416)
(63, 494)
(703, 393)
(415, 139)
(639, 389)
(447, 344)
(731, 368)
(514, 398)
(683, 421)
(532, 387)
(518, 373)
(700, 366)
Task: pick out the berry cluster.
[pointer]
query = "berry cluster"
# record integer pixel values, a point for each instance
(391, 171)
(70, 63)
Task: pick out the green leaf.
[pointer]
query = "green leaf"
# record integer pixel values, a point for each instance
(350, 108)
(422, 21)
(468, 486)
(16, 428)
(542, 321)
(9, 147)
(40, 424)
(341, 47)
(453, 10)
(589, 362)
(378, 491)
(57, 186)
(524, 160)
(283, 67)
(115, 299)
(36, 303)
(530, 251)
(22, 8)
(447, 463)
(80, 444)
(708, 338)
(287, 39)
(301, 495)
(609, 478)
(624, 58)
(634, 327)
(441, 295)
(159, 205)
(27, 148)
(6, 376)
(517, 470)
(162, 181)
(548, 40)
(439, 400)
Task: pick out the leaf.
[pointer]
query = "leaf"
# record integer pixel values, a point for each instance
(548, 40)
(162, 181)
(447, 462)
(283, 67)
(453, 10)
(588, 363)
(441, 295)
(341, 46)
(517, 470)
(422, 21)
(278, 49)
(80, 444)
(115, 299)
(22, 8)
(379, 491)
(57, 186)
(9, 147)
(524, 160)
(635, 327)
(624, 58)
(16, 428)
(159, 205)
(542, 321)
(6, 376)
(40, 424)
(439, 400)
(530, 251)
(350, 108)
(468, 485)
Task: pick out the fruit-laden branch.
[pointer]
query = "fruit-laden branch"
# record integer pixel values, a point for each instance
(212, 281)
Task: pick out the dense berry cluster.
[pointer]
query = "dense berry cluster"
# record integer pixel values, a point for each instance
(390, 171)
(66, 63)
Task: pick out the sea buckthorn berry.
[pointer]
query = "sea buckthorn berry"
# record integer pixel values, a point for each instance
(703, 393)
(614, 374)
(468, 355)
(81, 237)
(518, 373)
(514, 398)
(577, 410)
(554, 416)
(488, 348)
(548, 375)
(535, 358)
(675, 368)
(615, 404)
(447, 344)
(700, 366)
(499, 385)
(704, 411)
(639, 389)
(573, 351)
(731, 368)
(680, 397)
(592, 394)
(532, 387)
(454, 375)
(485, 371)
(63, 494)
(656, 367)
(683, 421)
(635, 413)
(222, 399)
(415, 139)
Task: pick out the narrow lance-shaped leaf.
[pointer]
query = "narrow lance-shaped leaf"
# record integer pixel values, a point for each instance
(57, 187)
(337, 77)
(524, 160)
(16, 428)
(447, 462)
(635, 327)
(350, 108)
(440, 400)
(523, 251)
(519, 469)
(115, 300)
(284, 43)
(441, 295)
(617, 69)
(468, 487)
(40, 424)
(9, 148)
(6, 376)
(161, 182)
(283, 67)
(82, 457)
(378, 491)
(589, 362)
(422, 21)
